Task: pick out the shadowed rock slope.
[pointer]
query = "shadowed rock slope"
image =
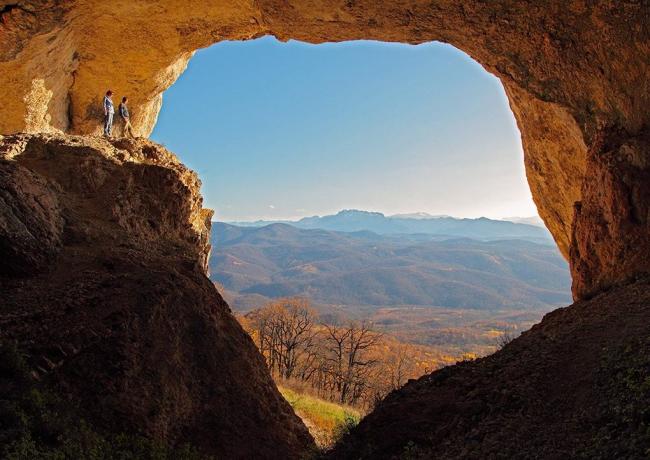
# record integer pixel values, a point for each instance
(107, 314)
(577, 385)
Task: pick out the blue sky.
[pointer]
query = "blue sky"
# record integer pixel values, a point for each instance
(285, 130)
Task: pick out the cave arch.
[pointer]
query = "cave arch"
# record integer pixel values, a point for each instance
(571, 71)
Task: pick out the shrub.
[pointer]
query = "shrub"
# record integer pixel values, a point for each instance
(344, 427)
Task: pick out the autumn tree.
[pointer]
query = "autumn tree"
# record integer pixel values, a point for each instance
(348, 350)
(345, 362)
(285, 332)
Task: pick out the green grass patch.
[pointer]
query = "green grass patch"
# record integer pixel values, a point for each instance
(319, 409)
(327, 421)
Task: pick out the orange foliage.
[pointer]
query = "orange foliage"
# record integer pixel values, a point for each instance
(350, 363)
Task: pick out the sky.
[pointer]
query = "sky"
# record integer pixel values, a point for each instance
(286, 130)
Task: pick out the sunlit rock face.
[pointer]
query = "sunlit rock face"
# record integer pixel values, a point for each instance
(611, 232)
(575, 72)
(103, 289)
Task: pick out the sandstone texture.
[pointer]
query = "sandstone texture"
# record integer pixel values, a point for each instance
(576, 72)
(611, 235)
(103, 292)
(574, 386)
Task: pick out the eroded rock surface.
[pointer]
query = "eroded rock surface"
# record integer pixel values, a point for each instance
(611, 234)
(103, 289)
(576, 72)
(30, 221)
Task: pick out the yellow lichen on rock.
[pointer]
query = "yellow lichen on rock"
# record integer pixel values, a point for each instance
(37, 118)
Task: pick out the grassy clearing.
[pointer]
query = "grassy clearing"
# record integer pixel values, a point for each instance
(326, 421)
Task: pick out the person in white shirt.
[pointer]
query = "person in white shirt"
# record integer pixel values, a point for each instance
(109, 110)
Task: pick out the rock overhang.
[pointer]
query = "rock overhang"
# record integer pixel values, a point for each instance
(575, 74)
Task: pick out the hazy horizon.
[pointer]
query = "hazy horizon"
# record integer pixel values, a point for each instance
(400, 214)
(279, 131)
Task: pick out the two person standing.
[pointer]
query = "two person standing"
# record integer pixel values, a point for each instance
(109, 112)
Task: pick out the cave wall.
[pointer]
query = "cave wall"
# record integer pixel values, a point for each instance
(575, 72)
(104, 247)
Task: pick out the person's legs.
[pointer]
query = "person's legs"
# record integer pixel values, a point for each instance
(128, 129)
(108, 124)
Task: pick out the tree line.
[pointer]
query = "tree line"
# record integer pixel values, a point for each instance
(344, 361)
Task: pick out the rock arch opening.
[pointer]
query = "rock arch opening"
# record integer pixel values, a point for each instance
(576, 111)
(576, 77)
(283, 131)
(262, 119)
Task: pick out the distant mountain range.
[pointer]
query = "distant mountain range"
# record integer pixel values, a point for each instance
(361, 267)
(417, 215)
(532, 220)
(443, 227)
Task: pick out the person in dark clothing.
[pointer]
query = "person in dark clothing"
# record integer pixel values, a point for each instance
(124, 113)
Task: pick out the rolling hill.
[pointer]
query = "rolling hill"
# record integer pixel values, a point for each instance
(364, 268)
